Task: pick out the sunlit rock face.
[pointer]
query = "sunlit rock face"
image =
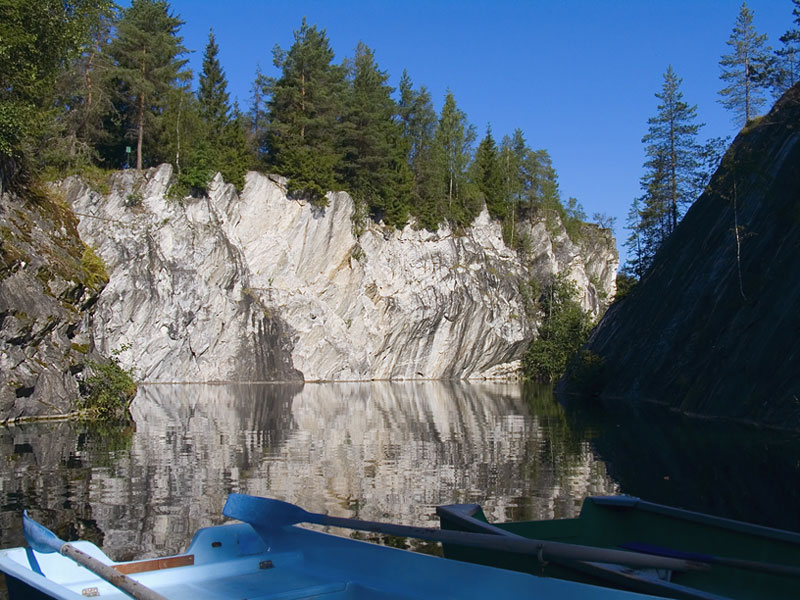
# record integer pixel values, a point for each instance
(257, 286)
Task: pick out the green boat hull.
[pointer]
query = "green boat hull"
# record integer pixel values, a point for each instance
(622, 522)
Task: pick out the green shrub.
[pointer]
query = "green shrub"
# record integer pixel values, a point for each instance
(133, 200)
(564, 329)
(107, 391)
(94, 269)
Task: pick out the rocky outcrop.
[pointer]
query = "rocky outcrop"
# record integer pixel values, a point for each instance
(713, 328)
(49, 283)
(256, 286)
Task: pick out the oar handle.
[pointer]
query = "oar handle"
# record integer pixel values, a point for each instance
(752, 565)
(722, 561)
(130, 586)
(545, 550)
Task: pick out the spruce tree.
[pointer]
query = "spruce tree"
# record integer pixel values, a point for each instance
(746, 69)
(146, 65)
(539, 181)
(488, 176)
(232, 157)
(222, 147)
(374, 164)
(212, 92)
(305, 112)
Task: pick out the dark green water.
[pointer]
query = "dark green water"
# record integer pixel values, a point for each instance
(379, 451)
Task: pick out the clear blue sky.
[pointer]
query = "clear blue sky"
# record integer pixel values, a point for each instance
(577, 76)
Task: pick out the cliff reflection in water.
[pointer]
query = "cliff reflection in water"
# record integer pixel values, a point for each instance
(383, 451)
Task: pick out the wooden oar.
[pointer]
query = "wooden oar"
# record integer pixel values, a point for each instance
(723, 561)
(43, 540)
(265, 514)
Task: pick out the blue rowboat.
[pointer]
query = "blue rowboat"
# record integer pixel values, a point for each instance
(276, 561)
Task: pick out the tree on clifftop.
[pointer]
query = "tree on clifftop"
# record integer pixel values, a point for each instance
(305, 108)
(37, 38)
(488, 176)
(787, 63)
(374, 164)
(746, 69)
(672, 151)
(212, 93)
(222, 146)
(418, 118)
(146, 66)
(453, 152)
(673, 174)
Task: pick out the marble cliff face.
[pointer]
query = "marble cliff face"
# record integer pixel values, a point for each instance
(257, 286)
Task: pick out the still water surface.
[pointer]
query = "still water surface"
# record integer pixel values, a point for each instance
(378, 451)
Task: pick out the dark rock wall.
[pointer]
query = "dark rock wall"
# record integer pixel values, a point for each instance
(48, 287)
(713, 328)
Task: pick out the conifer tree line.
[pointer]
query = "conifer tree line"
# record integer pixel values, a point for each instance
(117, 93)
(678, 168)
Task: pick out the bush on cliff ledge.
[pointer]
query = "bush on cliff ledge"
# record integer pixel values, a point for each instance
(107, 391)
(564, 329)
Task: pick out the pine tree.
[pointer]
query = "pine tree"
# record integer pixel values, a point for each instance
(787, 68)
(488, 176)
(746, 70)
(677, 169)
(305, 110)
(374, 164)
(453, 144)
(147, 66)
(672, 164)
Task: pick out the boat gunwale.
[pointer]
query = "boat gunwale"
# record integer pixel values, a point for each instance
(632, 502)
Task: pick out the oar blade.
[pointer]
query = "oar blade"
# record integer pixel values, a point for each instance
(39, 537)
(264, 511)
